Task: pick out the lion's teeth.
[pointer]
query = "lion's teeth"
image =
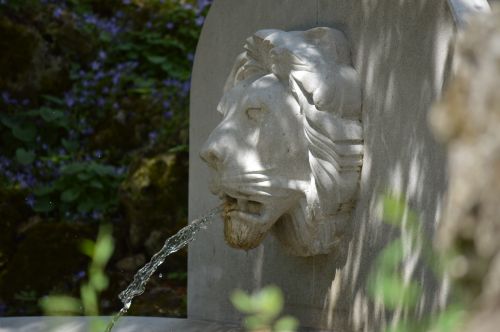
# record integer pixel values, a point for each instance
(242, 204)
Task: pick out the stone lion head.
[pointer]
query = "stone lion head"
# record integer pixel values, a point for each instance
(288, 152)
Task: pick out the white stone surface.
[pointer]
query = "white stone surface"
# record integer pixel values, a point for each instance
(287, 154)
(463, 10)
(126, 324)
(400, 50)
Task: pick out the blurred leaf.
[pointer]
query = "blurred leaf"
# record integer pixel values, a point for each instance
(242, 301)
(394, 292)
(449, 320)
(43, 204)
(286, 324)
(43, 190)
(73, 168)
(269, 301)
(8, 121)
(104, 246)
(50, 114)
(98, 280)
(55, 100)
(25, 157)
(85, 205)
(71, 146)
(255, 323)
(61, 305)
(70, 194)
(87, 247)
(89, 300)
(96, 184)
(156, 59)
(25, 132)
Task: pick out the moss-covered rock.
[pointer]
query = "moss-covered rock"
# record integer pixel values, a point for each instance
(155, 199)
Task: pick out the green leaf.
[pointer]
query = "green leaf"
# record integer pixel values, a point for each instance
(85, 205)
(84, 176)
(98, 280)
(87, 247)
(61, 305)
(89, 299)
(104, 246)
(50, 114)
(8, 121)
(269, 301)
(70, 195)
(242, 302)
(55, 100)
(156, 59)
(96, 184)
(255, 323)
(25, 132)
(25, 157)
(73, 168)
(286, 324)
(43, 190)
(395, 211)
(71, 146)
(394, 292)
(43, 204)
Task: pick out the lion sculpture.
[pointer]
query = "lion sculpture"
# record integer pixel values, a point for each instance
(288, 153)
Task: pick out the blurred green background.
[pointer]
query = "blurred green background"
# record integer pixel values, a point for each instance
(94, 131)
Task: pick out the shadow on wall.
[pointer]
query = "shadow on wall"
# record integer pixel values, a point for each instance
(401, 52)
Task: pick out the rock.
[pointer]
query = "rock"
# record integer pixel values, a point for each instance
(131, 263)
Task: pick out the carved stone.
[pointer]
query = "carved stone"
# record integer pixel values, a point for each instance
(288, 152)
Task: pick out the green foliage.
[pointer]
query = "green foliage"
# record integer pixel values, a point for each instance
(99, 252)
(262, 310)
(388, 283)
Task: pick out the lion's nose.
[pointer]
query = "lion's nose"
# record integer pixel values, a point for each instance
(211, 154)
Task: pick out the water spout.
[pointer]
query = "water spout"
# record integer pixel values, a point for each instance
(172, 244)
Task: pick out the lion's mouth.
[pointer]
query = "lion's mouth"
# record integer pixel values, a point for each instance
(243, 206)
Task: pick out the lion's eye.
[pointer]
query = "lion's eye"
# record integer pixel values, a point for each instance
(254, 113)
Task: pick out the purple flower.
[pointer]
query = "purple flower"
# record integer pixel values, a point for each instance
(203, 3)
(166, 104)
(45, 147)
(149, 25)
(126, 2)
(190, 56)
(88, 131)
(116, 79)
(26, 102)
(57, 12)
(169, 25)
(116, 105)
(168, 115)
(80, 275)
(105, 90)
(6, 97)
(61, 152)
(69, 100)
(120, 170)
(102, 55)
(98, 154)
(199, 20)
(96, 215)
(153, 136)
(101, 102)
(95, 65)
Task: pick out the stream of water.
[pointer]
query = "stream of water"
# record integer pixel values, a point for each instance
(172, 244)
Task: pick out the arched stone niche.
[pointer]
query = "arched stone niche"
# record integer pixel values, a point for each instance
(399, 51)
